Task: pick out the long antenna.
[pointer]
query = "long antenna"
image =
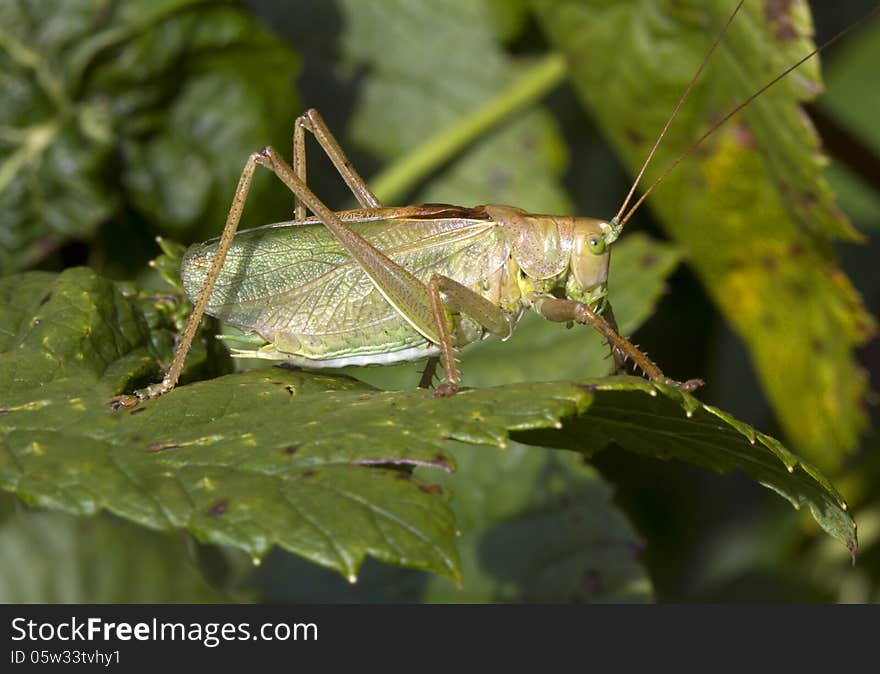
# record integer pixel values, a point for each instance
(739, 107)
(678, 105)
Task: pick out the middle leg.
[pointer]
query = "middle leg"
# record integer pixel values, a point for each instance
(448, 296)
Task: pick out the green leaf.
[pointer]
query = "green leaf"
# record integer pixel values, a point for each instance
(248, 461)
(536, 525)
(264, 457)
(102, 105)
(539, 526)
(676, 425)
(508, 17)
(55, 558)
(750, 209)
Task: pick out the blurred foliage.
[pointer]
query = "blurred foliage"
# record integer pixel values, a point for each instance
(50, 557)
(145, 106)
(536, 526)
(426, 100)
(120, 121)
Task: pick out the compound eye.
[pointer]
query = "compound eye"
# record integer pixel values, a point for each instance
(596, 244)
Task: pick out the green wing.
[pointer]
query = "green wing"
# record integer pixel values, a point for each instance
(295, 286)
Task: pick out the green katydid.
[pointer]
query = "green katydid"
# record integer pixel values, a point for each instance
(379, 285)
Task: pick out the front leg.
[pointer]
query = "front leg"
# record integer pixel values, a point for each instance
(564, 311)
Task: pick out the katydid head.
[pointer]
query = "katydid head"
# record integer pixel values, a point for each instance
(587, 277)
(560, 251)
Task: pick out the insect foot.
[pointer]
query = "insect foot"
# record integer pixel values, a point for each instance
(445, 390)
(127, 401)
(688, 386)
(123, 401)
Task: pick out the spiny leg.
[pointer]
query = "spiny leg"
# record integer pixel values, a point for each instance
(192, 325)
(312, 121)
(563, 311)
(299, 166)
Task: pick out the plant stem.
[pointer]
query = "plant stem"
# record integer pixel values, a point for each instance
(393, 183)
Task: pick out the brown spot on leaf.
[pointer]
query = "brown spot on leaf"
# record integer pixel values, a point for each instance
(291, 449)
(743, 136)
(309, 473)
(799, 289)
(769, 263)
(634, 137)
(46, 298)
(796, 249)
(161, 447)
(403, 475)
(218, 509)
(431, 488)
(778, 14)
(864, 329)
(290, 389)
(649, 260)
(138, 410)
